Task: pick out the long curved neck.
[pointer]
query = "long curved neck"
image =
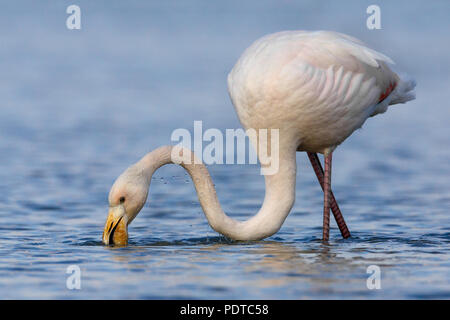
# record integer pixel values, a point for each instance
(278, 200)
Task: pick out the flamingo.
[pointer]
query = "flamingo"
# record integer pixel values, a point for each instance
(316, 88)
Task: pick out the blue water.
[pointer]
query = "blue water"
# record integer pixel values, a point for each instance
(77, 107)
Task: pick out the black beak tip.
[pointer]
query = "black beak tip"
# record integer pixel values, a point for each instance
(111, 235)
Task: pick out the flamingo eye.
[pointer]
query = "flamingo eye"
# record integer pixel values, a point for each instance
(122, 199)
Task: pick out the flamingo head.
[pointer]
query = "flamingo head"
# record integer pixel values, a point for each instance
(126, 199)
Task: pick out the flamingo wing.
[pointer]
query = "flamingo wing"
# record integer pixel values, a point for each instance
(339, 71)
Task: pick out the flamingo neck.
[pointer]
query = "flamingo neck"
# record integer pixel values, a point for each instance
(278, 201)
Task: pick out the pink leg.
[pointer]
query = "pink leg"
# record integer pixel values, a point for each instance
(326, 197)
(315, 162)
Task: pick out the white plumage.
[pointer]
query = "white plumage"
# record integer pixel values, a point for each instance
(318, 86)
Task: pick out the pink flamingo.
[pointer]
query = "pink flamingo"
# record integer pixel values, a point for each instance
(316, 88)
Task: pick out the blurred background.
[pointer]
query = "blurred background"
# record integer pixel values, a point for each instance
(79, 106)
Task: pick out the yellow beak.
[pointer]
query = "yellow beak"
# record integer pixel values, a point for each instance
(115, 231)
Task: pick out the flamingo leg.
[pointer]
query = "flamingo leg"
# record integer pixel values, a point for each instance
(315, 162)
(326, 197)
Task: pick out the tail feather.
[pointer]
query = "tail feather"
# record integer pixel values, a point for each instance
(404, 91)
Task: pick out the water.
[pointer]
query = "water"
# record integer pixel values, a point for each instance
(78, 107)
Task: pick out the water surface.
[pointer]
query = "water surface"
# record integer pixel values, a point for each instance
(78, 107)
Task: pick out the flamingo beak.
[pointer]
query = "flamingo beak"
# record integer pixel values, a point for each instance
(116, 228)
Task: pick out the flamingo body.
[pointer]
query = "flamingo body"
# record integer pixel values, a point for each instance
(317, 88)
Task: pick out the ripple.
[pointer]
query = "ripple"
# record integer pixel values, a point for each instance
(62, 150)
